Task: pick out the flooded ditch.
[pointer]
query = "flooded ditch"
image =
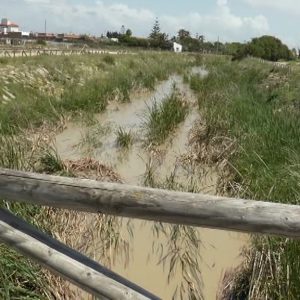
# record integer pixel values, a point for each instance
(155, 249)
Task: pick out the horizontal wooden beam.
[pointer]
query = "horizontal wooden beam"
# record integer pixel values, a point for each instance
(72, 265)
(151, 204)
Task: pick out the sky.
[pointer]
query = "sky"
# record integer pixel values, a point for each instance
(230, 20)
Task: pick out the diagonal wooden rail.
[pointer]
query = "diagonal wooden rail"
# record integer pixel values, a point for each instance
(77, 268)
(151, 204)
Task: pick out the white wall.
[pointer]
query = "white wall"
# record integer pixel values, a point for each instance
(13, 29)
(177, 47)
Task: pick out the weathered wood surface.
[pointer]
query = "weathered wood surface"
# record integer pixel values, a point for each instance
(151, 204)
(68, 263)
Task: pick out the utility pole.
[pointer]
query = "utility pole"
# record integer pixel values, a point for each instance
(45, 30)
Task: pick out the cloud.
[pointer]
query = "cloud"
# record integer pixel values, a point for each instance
(221, 23)
(98, 17)
(288, 6)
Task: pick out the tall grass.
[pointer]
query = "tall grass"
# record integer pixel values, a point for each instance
(163, 118)
(72, 86)
(77, 85)
(19, 277)
(254, 103)
(109, 59)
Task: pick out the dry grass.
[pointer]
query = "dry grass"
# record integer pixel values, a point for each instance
(208, 147)
(214, 151)
(94, 235)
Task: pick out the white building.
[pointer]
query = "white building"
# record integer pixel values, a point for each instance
(177, 47)
(7, 26)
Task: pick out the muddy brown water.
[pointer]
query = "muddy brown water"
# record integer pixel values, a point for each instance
(219, 250)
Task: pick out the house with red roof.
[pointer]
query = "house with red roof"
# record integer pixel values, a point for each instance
(6, 26)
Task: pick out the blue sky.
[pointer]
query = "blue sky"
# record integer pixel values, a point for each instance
(232, 20)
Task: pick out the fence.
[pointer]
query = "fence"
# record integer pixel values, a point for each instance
(19, 52)
(127, 201)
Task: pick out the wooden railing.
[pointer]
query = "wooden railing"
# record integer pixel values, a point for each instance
(127, 201)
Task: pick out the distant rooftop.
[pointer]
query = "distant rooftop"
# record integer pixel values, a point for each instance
(7, 23)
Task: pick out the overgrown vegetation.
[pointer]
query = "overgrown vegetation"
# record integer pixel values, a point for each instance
(20, 277)
(78, 86)
(257, 106)
(163, 118)
(65, 87)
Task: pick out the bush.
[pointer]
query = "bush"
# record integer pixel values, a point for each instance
(265, 47)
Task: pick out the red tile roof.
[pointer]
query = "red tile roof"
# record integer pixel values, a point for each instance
(9, 25)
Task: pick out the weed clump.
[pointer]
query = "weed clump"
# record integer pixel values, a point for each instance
(50, 162)
(124, 139)
(163, 118)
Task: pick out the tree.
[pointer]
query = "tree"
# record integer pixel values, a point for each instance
(265, 47)
(269, 48)
(155, 30)
(201, 38)
(128, 32)
(294, 53)
(122, 29)
(159, 39)
(233, 48)
(113, 34)
(182, 34)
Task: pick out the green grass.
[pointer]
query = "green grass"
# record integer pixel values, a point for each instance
(256, 104)
(80, 86)
(163, 118)
(109, 59)
(50, 162)
(124, 138)
(20, 278)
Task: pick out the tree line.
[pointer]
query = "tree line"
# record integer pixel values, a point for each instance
(265, 47)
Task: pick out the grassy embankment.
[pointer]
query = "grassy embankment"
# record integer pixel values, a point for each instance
(256, 106)
(42, 91)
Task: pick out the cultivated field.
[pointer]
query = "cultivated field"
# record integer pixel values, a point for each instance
(180, 122)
